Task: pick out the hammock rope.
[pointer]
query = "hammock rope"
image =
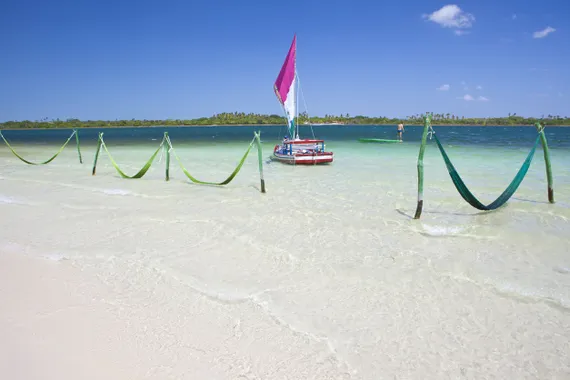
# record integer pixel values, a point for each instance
(52, 157)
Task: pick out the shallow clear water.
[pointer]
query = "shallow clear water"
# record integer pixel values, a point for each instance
(329, 253)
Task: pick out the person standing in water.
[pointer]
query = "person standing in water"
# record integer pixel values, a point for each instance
(400, 131)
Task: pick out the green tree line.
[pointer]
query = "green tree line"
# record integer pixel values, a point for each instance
(241, 118)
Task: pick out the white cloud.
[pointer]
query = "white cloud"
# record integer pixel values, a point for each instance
(444, 87)
(479, 88)
(482, 99)
(467, 98)
(451, 16)
(543, 33)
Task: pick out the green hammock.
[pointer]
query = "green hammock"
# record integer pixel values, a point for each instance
(166, 144)
(52, 157)
(227, 180)
(141, 172)
(504, 197)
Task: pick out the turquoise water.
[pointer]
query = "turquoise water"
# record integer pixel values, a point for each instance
(558, 137)
(328, 264)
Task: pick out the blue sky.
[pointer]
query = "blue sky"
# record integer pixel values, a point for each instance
(101, 59)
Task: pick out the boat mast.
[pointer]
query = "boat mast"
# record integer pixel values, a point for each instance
(296, 95)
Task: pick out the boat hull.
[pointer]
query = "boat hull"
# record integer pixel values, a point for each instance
(304, 158)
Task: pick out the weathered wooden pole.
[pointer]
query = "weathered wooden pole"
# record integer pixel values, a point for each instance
(78, 150)
(540, 129)
(167, 147)
(427, 125)
(99, 141)
(260, 158)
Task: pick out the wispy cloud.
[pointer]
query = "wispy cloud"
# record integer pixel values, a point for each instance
(560, 94)
(514, 16)
(544, 32)
(479, 88)
(444, 87)
(451, 16)
(469, 98)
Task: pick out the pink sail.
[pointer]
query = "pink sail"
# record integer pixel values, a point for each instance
(287, 73)
(285, 85)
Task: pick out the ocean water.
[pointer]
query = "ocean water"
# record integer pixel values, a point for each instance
(326, 275)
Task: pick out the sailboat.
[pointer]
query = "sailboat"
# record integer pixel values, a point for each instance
(294, 150)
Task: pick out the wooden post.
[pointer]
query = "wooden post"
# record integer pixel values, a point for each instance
(99, 141)
(427, 125)
(540, 129)
(260, 158)
(167, 147)
(78, 150)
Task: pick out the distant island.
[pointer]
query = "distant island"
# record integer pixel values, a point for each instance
(240, 118)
